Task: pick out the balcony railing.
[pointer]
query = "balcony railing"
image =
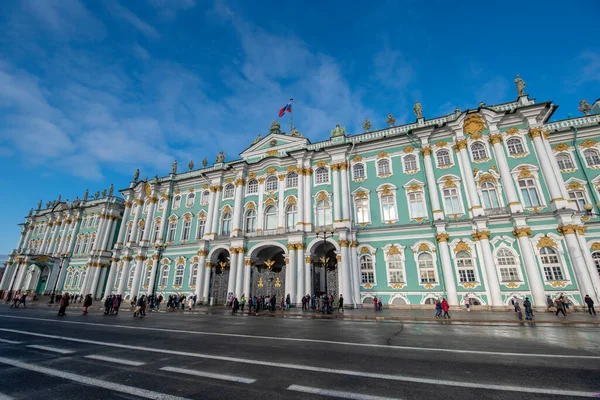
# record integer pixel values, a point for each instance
(496, 211)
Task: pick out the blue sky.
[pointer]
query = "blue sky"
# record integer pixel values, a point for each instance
(92, 90)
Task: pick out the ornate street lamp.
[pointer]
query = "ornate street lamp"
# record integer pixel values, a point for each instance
(160, 248)
(589, 208)
(325, 234)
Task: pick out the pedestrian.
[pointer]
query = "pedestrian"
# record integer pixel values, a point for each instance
(64, 303)
(560, 306)
(144, 305)
(182, 299)
(446, 308)
(15, 301)
(375, 303)
(107, 303)
(438, 309)
(313, 302)
(303, 303)
(380, 305)
(236, 306)
(195, 297)
(288, 301)
(528, 309)
(282, 304)
(190, 302)
(242, 302)
(590, 303)
(515, 302)
(341, 303)
(467, 302)
(87, 303)
(519, 312)
(22, 300)
(158, 301)
(549, 303)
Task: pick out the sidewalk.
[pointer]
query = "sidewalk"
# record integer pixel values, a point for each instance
(428, 316)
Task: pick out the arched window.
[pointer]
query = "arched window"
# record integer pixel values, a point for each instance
(426, 268)
(164, 275)
(478, 151)
(186, 230)
(226, 224)
(388, 208)
(96, 221)
(141, 226)
(205, 196)
(291, 180)
(271, 183)
(194, 274)
(128, 234)
(395, 269)
(529, 192)
(179, 271)
(76, 280)
(191, 198)
(592, 157)
(323, 215)
(147, 275)
(252, 186)
(270, 218)
(321, 175)
(176, 202)
(86, 241)
(156, 230)
(383, 167)
(452, 201)
(578, 197)
(291, 215)
(515, 146)
(250, 221)
(358, 171)
(443, 157)
(77, 246)
(551, 264)
(161, 204)
(596, 258)
(201, 227)
(490, 195)
(363, 215)
(69, 279)
(416, 204)
(130, 278)
(229, 191)
(145, 210)
(410, 163)
(564, 161)
(509, 269)
(464, 265)
(172, 231)
(367, 272)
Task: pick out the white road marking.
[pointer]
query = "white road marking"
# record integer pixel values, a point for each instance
(85, 380)
(115, 360)
(223, 377)
(9, 342)
(337, 393)
(328, 342)
(48, 348)
(312, 368)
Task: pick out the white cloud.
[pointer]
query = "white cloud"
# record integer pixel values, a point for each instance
(392, 69)
(590, 67)
(127, 15)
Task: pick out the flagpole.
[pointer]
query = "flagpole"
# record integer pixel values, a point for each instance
(291, 126)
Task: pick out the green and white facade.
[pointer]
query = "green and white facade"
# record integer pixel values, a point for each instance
(485, 202)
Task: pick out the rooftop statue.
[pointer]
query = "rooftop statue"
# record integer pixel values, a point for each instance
(174, 167)
(457, 111)
(191, 165)
(30, 212)
(48, 204)
(295, 133)
(520, 86)
(96, 195)
(584, 107)
(275, 127)
(204, 162)
(111, 189)
(59, 198)
(39, 205)
(418, 109)
(87, 193)
(136, 175)
(104, 193)
(155, 180)
(391, 121)
(220, 157)
(258, 139)
(367, 125)
(338, 131)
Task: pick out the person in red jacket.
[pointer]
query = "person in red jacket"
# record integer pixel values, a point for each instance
(445, 307)
(375, 302)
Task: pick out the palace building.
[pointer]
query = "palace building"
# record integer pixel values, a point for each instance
(488, 202)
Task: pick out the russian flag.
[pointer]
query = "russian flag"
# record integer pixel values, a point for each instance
(287, 107)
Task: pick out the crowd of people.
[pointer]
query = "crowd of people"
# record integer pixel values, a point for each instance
(323, 303)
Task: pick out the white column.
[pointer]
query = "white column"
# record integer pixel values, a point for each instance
(345, 192)
(149, 218)
(336, 193)
(290, 282)
(260, 212)
(308, 286)
(584, 281)
(139, 269)
(507, 182)
(124, 275)
(69, 249)
(136, 220)
(549, 153)
(114, 266)
(49, 226)
(200, 275)
(490, 266)
(163, 219)
(216, 210)
(247, 276)
(206, 286)
(356, 276)
(433, 188)
(155, 262)
(57, 225)
(300, 223)
(281, 203)
(238, 207)
(531, 266)
(123, 227)
(20, 277)
(308, 199)
(239, 277)
(64, 242)
(64, 228)
(231, 280)
(447, 270)
(300, 281)
(546, 166)
(101, 229)
(22, 237)
(346, 266)
(589, 261)
(208, 229)
(463, 158)
(94, 282)
(8, 271)
(111, 222)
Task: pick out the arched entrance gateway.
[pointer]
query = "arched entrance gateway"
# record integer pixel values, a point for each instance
(219, 276)
(269, 272)
(324, 270)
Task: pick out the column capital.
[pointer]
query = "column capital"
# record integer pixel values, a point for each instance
(202, 253)
(335, 167)
(307, 259)
(139, 202)
(240, 182)
(481, 235)
(354, 243)
(344, 243)
(426, 151)
(522, 232)
(128, 204)
(567, 229)
(581, 229)
(281, 177)
(343, 166)
(460, 144)
(535, 132)
(308, 171)
(496, 138)
(248, 262)
(442, 237)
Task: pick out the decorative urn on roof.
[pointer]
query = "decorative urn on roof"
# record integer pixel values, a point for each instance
(275, 127)
(338, 131)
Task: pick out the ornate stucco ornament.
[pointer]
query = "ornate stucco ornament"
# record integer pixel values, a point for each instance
(295, 133)
(546, 241)
(473, 126)
(275, 127)
(561, 147)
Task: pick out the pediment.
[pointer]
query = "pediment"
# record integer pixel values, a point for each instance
(274, 142)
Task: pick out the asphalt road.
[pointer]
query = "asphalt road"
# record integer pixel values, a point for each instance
(175, 356)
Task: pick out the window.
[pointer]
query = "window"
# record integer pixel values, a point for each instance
(147, 276)
(383, 167)
(515, 146)
(252, 186)
(529, 192)
(86, 241)
(362, 210)
(251, 221)
(358, 171)
(185, 231)
(564, 161)
(179, 271)
(156, 230)
(191, 198)
(76, 280)
(416, 204)
(592, 157)
(321, 175)
(229, 191)
(367, 272)
(270, 218)
(172, 231)
(201, 227)
(77, 246)
(509, 270)
(426, 268)
(96, 221)
(478, 151)
(128, 234)
(291, 216)
(395, 269)
(291, 180)
(323, 215)
(443, 158)
(464, 264)
(205, 196)
(69, 279)
(119, 276)
(271, 183)
(164, 275)
(410, 163)
(130, 278)
(81, 279)
(489, 194)
(596, 258)
(141, 226)
(176, 202)
(388, 208)
(145, 210)
(161, 204)
(452, 201)
(90, 221)
(551, 263)
(194, 274)
(579, 198)
(226, 224)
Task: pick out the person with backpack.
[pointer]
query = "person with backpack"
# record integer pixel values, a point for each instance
(528, 309)
(590, 303)
(438, 309)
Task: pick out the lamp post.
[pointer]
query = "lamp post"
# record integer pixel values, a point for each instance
(589, 208)
(325, 234)
(160, 248)
(63, 257)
